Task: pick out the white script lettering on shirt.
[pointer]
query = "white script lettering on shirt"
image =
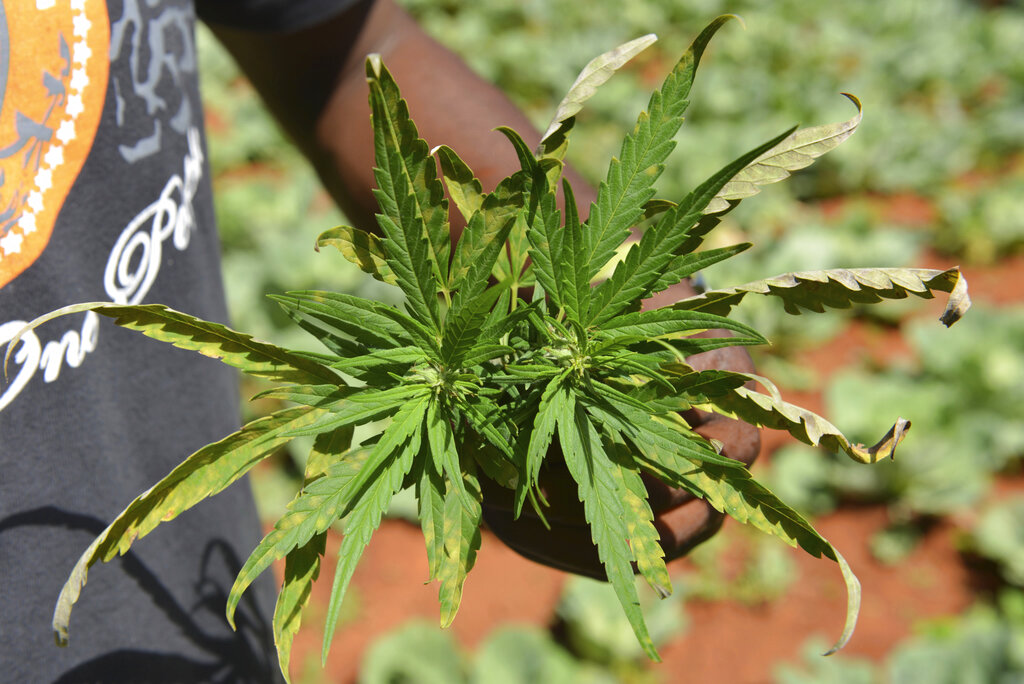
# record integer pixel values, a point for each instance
(32, 355)
(132, 267)
(170, 216)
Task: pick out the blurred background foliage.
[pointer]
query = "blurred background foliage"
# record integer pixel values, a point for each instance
(934, 175)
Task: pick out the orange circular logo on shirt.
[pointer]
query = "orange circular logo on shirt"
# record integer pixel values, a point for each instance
(53, 80)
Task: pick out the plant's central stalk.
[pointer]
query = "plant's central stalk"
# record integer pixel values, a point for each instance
(570, 356)
(442, 380)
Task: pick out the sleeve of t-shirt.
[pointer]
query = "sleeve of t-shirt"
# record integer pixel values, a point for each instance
(270, 15)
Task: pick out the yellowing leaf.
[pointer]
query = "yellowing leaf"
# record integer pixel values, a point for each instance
(464, 189)
(361, 248)
(763, 410)
(463, 512)
(214, 340)
(840, 288)
(203, 474)
(735, 492)
(301, 569)
(797, 151)
(644, 539)
(594, 75)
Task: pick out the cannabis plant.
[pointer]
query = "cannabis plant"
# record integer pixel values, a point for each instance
(509, 344)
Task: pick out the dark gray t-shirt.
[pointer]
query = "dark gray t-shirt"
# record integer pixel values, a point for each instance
(105, 196)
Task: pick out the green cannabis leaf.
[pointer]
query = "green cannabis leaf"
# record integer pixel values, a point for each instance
(507, 356)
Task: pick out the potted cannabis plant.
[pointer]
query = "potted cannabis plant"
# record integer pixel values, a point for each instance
(508, 344)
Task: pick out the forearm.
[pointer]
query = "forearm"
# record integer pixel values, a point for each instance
(325, 110)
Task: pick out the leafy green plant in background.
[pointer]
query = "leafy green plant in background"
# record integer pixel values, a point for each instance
(419, 652)
(986, 644)
(596, 631)
(595, 644)
(505, 342)
(764, 571)
(999, 536)
(984, 222)
(815, 670)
